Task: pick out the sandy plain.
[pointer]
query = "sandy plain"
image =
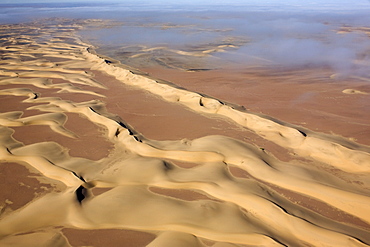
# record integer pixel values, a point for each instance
(94, 154)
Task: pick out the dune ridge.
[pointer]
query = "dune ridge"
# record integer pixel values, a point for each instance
(247, 212)
(338, 153)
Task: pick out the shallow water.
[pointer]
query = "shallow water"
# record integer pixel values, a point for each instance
(229, 33)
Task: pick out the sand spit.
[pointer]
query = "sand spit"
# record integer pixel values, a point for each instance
(232, 211)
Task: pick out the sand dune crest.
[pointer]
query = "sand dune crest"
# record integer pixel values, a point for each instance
(235, 211)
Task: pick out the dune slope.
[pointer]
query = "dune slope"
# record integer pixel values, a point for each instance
(206, 189)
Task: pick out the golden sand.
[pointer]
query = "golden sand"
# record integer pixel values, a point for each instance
(125, 159)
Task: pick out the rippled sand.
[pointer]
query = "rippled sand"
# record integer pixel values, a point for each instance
(93, 154)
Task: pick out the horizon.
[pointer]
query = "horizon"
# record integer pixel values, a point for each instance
(302, 32)
(292, 3)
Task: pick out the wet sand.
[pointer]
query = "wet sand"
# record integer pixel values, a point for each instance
(235, 157)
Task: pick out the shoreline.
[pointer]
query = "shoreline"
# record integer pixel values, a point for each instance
(124, 151)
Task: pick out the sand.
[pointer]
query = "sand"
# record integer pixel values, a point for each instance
(95, 154)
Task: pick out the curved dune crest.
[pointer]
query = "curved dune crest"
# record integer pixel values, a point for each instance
(47, 84)
(235, 211)
(315, 145)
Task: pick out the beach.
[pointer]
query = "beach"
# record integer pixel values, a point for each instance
(94, 152)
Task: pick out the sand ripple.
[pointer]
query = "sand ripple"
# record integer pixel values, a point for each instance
(234, 211)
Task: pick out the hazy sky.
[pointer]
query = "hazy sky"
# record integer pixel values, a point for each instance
(291, 5)
(267, 2)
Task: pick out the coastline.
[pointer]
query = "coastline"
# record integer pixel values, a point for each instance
(265, 174)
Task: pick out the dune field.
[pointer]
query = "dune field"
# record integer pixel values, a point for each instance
(95, 153)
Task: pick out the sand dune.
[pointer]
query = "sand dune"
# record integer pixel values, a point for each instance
(313, 145)
(300, 202)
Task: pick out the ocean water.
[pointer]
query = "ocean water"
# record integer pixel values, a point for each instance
(200, 35)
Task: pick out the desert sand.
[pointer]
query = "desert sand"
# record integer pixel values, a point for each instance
(94, 153)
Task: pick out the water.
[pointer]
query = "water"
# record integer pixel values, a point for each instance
(211, 34)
